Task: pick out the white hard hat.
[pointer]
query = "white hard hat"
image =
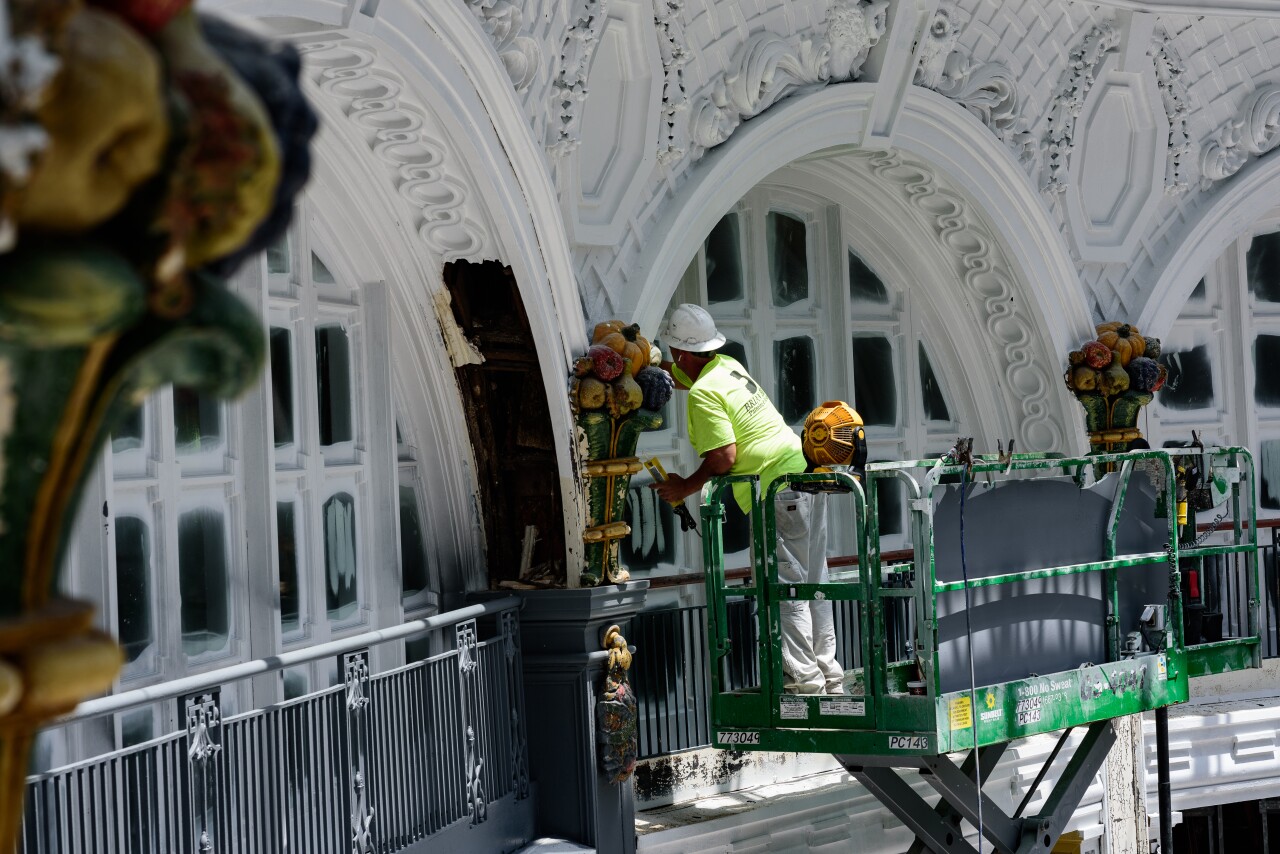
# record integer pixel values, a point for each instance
(691, 328)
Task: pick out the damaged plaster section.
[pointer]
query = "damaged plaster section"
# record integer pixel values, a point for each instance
(461, 351)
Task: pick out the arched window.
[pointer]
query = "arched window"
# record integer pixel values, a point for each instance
(803, 306)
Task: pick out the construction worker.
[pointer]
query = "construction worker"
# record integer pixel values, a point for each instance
(736, 429)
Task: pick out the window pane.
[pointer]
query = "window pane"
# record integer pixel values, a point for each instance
(1269, 470)
(295, 681)
(724, 261)
(202, 581)
(1200, 291)
(319, 272)
(278, 255)
(793, 361)
(133, 586)
(287, 557)
(1190, 383)
(282, 386)
(1264, 267)
(333, 383)
(197, 421)
(414, 572)
(128, 436)
(864, 285)
(136, 727)
(874, 384)
(788, 259)
(889, 501)
(735, 351)
(340, 556)
(1266, 370)
(935, 405)
(653, 530)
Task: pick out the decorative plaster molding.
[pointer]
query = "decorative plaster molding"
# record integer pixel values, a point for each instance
(570, 88)
(503, 21)
(1173, 92)
(371, 97)
(1028, 386)
(675, 99)
(769, 68)
(1253, 132)
(988, 90)
(1073, 91)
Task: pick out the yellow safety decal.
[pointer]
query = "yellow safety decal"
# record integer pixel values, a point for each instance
(961, 713)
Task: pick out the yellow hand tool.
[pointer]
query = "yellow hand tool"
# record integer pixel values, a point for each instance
(659, 474)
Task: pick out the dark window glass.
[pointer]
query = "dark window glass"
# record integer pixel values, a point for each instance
(333, 384)
(202, 581)
(133, 586)
(788, 259)
(653, 529)
(136, 727)
(197, 421)
(278, 256)
(793, 360)
(287, 556)
(282, 386)
(1263, 262)
(1269, 471)
(319, 272)
(935, 405)
(340, 556)
(864, 285)
(1190, 383)
(735, 351)
(1200, 292)
(874, 384)
(129, 432)
(737, 525)
(724, 261)
(1266, 370)
(889, 500)
(415, 575)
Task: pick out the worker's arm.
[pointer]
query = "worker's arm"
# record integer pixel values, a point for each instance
(716, 462)
(666, 366)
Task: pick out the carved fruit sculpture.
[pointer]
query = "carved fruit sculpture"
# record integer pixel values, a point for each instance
(1096, 354)
(1123, 339)
(145, 16)
(106, 120)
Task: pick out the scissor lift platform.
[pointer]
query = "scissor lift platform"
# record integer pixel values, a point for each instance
(1061, 588)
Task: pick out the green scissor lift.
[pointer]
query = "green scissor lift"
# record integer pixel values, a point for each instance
(881, 725)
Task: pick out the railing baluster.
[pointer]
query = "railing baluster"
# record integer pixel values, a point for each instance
(204, 743)
(356, 669)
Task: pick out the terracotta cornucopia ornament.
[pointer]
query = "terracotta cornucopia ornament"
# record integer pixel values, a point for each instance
(617, 392)
(1113, 377)
(145, 151)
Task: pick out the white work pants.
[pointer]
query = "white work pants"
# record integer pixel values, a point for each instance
(808, 627)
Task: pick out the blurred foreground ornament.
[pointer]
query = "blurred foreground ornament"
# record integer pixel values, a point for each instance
(617, 395)
(136, 166)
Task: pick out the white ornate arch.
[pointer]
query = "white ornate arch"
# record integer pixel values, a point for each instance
(1244, 199)
(1032, 306)
(427, 107)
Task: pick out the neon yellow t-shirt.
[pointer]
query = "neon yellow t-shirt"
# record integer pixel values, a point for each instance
(727, 406)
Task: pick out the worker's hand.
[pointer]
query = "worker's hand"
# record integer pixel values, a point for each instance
(674, 488)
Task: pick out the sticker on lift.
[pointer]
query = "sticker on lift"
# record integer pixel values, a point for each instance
(855, 708)
(908, 742)
(961, 713)
(793, 710)
(1162, 668)
(737, 737)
